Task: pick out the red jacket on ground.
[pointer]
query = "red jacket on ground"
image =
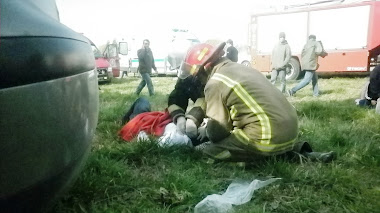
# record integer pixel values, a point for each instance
(153, 123)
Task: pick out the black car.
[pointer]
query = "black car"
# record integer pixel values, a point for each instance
(48, 104)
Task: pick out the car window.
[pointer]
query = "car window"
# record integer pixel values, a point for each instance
(96, 52)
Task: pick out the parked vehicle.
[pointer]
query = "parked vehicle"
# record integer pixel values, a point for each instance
(103, 67)
(49, 105)
(168, 51)
(181, 41)
(350, 33)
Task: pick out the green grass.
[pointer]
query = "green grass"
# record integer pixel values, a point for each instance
(142, 177)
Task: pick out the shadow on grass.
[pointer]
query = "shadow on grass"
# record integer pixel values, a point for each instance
(125, 80)
(326, 92)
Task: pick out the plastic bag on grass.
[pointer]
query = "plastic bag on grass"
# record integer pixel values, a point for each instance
(237, 193)
(173, 137)
(169, 138)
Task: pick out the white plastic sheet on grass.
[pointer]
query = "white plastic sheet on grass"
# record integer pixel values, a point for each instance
(173, 137)
(238, 192)
(170, 137)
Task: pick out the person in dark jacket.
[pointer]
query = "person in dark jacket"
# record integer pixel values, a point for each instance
(188, 122)
(371, 92)
(232, 52)
(146, 63)
(281, 55)
(374, 85)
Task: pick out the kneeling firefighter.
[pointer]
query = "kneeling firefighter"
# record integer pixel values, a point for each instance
(248, 118)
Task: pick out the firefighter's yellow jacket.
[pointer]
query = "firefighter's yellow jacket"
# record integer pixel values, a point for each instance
(241, 101)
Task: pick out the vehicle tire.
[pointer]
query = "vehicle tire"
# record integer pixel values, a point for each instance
(246, 63)
(294, 70)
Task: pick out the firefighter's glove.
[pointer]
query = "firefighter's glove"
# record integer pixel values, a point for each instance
(181, 124)
(191, 129)
(202, 133)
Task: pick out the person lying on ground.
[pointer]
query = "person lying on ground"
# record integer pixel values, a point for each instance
(139, 106)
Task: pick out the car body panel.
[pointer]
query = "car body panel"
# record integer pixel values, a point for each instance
(49, 105)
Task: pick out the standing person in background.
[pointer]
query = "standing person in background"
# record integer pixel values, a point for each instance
(146, 63)
(281, 55)
(309, 64)
(232, 52)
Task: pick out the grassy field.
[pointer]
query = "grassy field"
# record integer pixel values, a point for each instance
(142, 177)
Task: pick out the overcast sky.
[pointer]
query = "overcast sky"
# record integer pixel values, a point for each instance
(100, 20)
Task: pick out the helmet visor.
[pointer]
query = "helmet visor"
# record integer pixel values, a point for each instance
(186, 70)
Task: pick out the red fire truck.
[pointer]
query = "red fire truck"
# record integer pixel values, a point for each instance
(350, 33)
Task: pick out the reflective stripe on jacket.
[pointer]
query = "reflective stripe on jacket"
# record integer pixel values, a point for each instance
(242, 101)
